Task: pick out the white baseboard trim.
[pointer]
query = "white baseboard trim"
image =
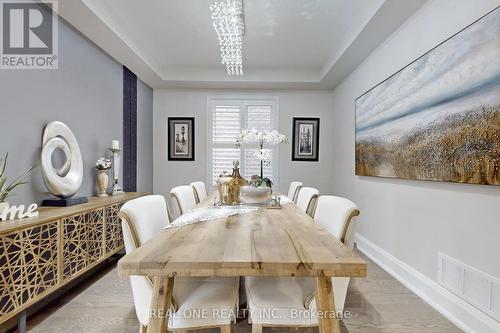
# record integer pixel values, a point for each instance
(459, 312)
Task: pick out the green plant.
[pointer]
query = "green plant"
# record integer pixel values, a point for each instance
(6, 190)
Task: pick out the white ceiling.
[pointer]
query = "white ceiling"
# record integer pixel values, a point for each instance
(287, 44)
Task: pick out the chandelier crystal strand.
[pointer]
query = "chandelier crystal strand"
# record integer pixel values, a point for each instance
(229, 24)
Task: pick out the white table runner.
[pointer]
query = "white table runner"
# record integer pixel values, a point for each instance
(209, 214)
(213, 213)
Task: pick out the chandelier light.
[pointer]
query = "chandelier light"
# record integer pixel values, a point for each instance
(229, 24)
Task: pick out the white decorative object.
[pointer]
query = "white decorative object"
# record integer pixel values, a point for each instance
(263, 139)
(260, 137)
(13, 212)
(252, 195)
(102, 165)
(3, 205)
(284, 200)
(115, 149)
(209, 214)
(229, 24)
(66, 181)
(102, 182)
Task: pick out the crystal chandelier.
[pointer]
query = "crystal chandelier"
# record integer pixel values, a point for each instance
(230, 27)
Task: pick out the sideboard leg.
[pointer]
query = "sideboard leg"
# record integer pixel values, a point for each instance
(21, 322)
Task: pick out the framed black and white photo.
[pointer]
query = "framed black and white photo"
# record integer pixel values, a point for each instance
(180, 139)
(305, 139)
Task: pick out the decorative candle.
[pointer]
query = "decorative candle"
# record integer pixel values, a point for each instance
(115, 144)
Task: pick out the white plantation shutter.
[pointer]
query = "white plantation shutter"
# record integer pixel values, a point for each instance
(226, 123)
(259, 117)
(227, 117)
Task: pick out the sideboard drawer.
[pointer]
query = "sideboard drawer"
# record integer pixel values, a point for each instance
(28, 265)
(83, 239)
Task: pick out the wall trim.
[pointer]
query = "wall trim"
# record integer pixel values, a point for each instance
(459, 312)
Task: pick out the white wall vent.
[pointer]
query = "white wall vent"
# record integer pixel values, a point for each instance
(495, 300)
(475, 287)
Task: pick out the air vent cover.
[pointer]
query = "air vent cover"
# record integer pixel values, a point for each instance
(475, 287)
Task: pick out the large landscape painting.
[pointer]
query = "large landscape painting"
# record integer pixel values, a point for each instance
(439, 117)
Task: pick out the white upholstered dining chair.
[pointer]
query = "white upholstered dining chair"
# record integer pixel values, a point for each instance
(144, 217)
(306, 199)
(293, 190)
(185, 197)
(200, 190)
(294, 298)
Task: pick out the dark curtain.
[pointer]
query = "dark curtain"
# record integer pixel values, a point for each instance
(129, 131)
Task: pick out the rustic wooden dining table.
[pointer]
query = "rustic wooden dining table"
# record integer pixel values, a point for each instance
(268, 242)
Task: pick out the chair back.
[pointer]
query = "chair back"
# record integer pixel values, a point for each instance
(200, 191)
(337, 215)
(142, 218)
(185, 197)
(306, 199)
(293, 190)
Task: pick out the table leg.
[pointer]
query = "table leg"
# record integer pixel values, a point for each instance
(325, 305)
(160, 304)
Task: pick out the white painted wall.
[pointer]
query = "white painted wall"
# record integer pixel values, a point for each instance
(413, 220)
(193, 103)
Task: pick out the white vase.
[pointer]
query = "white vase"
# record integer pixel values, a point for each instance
(3, 205)
(102, 182)
(255, 195)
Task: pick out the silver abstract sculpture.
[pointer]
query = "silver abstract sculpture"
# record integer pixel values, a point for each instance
(66, 181)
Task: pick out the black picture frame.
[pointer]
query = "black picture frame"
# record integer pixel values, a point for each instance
(305, 148)
(181, 145)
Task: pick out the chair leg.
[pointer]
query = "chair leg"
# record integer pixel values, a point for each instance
(143, 329)
(256, 328)
(225, 329)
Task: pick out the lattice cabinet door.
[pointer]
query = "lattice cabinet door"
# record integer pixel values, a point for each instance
(28, 265)
(82, 241)
(114, 236)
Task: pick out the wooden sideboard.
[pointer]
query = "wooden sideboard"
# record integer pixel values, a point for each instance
(39, 255)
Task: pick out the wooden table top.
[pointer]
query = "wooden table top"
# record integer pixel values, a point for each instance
(268, 242)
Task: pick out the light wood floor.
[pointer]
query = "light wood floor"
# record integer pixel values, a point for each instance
(379, 304)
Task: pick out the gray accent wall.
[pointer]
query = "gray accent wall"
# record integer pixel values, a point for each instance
(86, 93)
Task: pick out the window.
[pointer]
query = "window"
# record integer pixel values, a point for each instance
(227, 117)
